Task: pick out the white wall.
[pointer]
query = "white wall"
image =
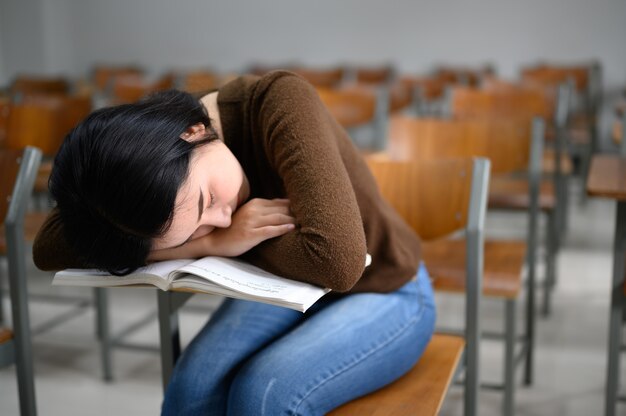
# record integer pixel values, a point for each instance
(413, 34)
(22, 38)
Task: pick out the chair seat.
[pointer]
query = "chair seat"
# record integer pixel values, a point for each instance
(5, 335)
(513, 193)
(32, 223)
(419, 392)
(503, 264)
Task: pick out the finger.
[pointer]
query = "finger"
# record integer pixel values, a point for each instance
(272, 231)
(276, 219)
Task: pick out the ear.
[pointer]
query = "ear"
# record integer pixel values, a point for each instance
(194, 132)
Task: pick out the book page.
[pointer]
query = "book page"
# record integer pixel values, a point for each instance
(157, 274)
(246, 278)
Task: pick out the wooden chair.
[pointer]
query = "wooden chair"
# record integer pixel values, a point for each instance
(26, 85)
(459, 75)
(436, 198)
(18, 170)
(321, 77)
(370, 75)
(43, 122)
(525, 104)
(356, 107)
(198, 81)
(330, 77)
(104, 75)
(512, 149)
(131, 88)
(428, 93)
(586, 83)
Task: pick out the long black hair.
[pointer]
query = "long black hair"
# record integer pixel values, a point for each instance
(117, 174)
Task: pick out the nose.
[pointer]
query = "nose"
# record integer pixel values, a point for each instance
(223, 217)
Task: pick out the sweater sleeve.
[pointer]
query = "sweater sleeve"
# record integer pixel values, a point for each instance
(51, 251)
(328, 246)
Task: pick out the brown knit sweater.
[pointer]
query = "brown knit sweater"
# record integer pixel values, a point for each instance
(290, 146)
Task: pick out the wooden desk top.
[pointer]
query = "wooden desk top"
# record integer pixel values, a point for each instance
(607, 177)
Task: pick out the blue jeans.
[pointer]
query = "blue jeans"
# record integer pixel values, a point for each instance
(254, 359)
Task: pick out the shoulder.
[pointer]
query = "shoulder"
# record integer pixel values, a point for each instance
(284, 84)
(277, 85)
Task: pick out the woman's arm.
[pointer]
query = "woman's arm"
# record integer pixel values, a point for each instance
(254, 222)
(301, 139)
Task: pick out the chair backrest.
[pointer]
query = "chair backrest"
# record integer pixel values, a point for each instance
(43, 122)
(131, 88)
(522, 103)
(352, 106)
(355, 106)
(430, 88)
(555, 75)
(321, 77)
(432, 196)
(199, 81)
(506, 143)
(25, 85)
(372, 75)
(103, 75)
(436, 198)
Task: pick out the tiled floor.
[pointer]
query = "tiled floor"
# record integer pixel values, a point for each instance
(570, 358)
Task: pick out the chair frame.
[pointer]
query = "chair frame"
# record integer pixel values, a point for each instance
(16, 255)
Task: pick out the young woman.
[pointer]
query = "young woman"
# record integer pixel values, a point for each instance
(258, 169)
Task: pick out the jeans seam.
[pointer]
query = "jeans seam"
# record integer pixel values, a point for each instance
(372, 351)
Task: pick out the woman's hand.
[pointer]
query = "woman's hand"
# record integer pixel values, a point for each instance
(254, 222)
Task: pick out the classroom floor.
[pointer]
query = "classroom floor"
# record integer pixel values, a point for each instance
(570, 357)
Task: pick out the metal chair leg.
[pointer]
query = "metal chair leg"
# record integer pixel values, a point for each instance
(103, 332)
(21, 330)
(530, 319)
(550, 279)
(169, 334)
(509, 358)
(617, 307)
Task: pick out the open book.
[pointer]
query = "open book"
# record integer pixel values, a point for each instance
(216, 275)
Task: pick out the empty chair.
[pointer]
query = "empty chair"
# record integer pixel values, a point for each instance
(103, 75)
(131, 88)
(356, 107)
(524, 104)
(512, 148)
(586, 82)
(198, 81)
(321, 77)
(43, 122)
(371, 75)
(428, 93)
(26, 85)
